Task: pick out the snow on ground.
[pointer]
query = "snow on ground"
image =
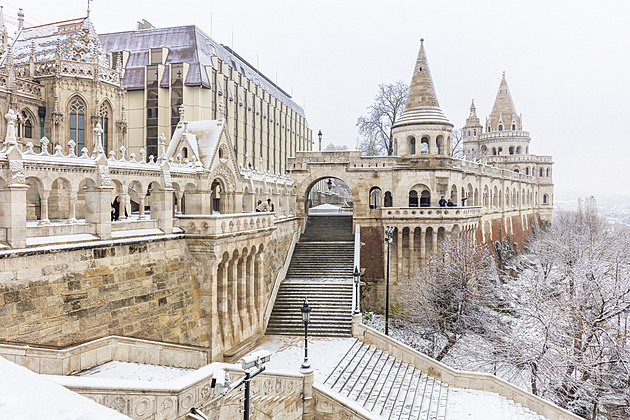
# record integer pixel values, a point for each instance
(324, 353)
(27, 395)
(468, 404)
(134, 371)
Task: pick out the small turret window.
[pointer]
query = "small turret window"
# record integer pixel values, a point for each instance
(513, 127)
(475, 132)
(500, 127)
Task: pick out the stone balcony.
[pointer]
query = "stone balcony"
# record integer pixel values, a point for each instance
(431, 213)
(225, 224)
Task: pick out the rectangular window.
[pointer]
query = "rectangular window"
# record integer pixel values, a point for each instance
(177, 93)
(156, 56)
(152, 110)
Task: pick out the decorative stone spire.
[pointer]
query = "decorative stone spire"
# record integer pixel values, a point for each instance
(422, 104)
(472, 118)
(4, 33)
(20, 19)
(503, 116)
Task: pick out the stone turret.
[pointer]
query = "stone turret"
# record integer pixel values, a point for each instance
(503, 116)
(471, 132)
(422, 128)
(4, 34)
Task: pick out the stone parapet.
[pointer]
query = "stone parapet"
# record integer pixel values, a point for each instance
(225, 224)
(461, 379)
(425, 214)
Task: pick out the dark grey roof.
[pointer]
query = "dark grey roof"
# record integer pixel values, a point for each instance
(186, 44)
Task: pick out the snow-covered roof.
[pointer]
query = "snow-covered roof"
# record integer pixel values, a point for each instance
(76, 39)
(27, 395)
(201, 136)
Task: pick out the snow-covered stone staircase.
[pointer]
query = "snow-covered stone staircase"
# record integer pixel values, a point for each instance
(320, 270)
(514, 411)
(388, 387)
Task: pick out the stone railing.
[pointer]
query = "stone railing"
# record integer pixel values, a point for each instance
(70, 68)
(225, 224)
(505, 135)
(459, 378)
(64, 361)
(451, 213)
(276, 394)
(522, 158)
(330, 405)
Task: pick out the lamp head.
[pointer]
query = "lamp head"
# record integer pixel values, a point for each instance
(306, 311)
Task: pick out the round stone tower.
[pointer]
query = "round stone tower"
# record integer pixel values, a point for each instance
(422, 129)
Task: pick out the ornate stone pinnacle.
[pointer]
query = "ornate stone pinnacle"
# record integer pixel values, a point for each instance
(182, 110)
(11, 138)
(98, 130)
(221, 110)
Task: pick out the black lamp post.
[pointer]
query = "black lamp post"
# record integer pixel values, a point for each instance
(330, 184)
(389, 232)
(306, 316)
(356, 275)
(320, 140)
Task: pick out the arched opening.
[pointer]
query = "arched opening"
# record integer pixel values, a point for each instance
(494, 151)
(476, 200)
(328, 195)
(104, 114)
(425, 198)
(545, 199)
(519, 150)
(439, 144)
(540, 172)
(413, 198)
(59, 200)
(500, 127)
(454, 195)
(33, 199)
(516, 170)
(25, 125)
(412, 145)
(511, 150)
(548, 172)
(387, 200)
(375, 197)
(424, 146)
(218, 196)
(527, 170)
(76, 114)
(507, 197)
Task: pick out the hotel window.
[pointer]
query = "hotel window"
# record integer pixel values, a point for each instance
(152, 110)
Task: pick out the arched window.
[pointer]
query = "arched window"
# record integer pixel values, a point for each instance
(412, 146)
(516, 170)
(500, 127)
(104, 114)
(475, 132)
(545, 199)
(425, 199)
(185, 152)
(375, 198)
(527, 170)
(511, 150)
(519, 150)
(494, 151)
(25, 127)
(413, 198)
(540, 172)
(548, 172)
(513, 127)
(424, 146)
(77, 122)
(388, 202)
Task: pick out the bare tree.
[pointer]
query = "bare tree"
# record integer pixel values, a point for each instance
(454, 295)
(335, 148)
(572, 303)
(376, 127)
(457, 143)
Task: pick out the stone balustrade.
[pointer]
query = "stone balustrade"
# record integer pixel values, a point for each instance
(459, 378)
(225, 224)
(68, 360)
(277, 394)
(69, 68)
(510, 134)
(422, 213)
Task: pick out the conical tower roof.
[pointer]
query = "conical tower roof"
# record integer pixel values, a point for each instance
(422, 105)
(504, 110)
(472, 119)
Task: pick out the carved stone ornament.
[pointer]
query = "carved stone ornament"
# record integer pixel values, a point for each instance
(17, 172)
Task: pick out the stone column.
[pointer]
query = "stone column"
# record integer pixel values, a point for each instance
(13, 214)
(180, 196)
(241, 278)
(252, 308)
(98, 210)
(412, 250)
(308, 409)
(141, 199)
(162, 208)
(399, 270)
(261, 287)
(44, 220)
(435, 244)
(221, 288)
(123, 204)
(72, 210)
(234, 315)
(423, 245)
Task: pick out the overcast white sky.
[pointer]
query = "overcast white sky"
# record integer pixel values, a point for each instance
(566, 63)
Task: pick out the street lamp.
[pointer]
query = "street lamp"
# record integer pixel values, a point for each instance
(356, 275)
(306, 316)
(330, 184)
(320, 140)
(389, 232)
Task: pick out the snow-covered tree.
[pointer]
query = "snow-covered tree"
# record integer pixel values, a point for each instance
(572, 302)
(455, 294)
